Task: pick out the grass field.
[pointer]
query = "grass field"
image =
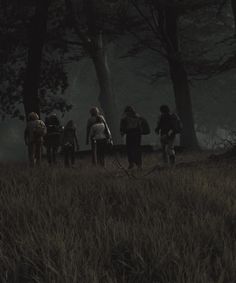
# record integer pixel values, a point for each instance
(87, 225)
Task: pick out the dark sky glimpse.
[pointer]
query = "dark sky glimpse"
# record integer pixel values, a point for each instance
(66, 56)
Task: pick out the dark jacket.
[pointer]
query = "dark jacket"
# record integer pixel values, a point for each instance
(168, 122)
(130, 124)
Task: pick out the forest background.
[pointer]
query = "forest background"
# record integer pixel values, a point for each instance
(67, 56)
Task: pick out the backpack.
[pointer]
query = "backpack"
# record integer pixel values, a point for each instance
(144, 126)
(39, 129)
(176, 124)
(53, 125)
(54, 129)
(133, 123)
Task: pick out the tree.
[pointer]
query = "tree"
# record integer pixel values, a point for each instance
(160, 26)
(28, 67)
(37, 40)
(162, 20)
(91, 33)
(223, 3)
(168, 20)
(233, 5)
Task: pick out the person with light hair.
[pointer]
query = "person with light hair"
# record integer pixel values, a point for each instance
(94, 114)
(99, 135)
(34, 133)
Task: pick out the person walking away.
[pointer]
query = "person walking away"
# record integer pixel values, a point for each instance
(53, 137)
(34, 133)
(69, 143)
(133, 126)
(168, 126)
(99, 135)
(94, 113)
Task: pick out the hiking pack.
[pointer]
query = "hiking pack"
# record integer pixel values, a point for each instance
(138, 124)
(144, 126)
(53, 125)
(53, 129)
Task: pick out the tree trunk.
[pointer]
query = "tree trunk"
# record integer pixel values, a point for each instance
(93, 43)
(37, 39)
(106, 97)
(183, 103)
(169, 25)
(233, 5)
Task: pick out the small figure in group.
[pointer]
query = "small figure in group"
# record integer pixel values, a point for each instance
(99, 135)
(168, 126)
(69, 143)
(133, 126)
(53, 137)
(34, 133)
(95, 113)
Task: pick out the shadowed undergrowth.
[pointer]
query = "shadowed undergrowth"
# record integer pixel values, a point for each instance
(81, 225)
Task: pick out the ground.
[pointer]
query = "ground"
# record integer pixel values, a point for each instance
(93, 225)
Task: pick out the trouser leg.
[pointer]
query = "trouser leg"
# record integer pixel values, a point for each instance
(94, 152)
(98, 143)
(137, 151)
(129, 147)
(165, 153)
(31, 154)
(101, 148)
(66, 156)
(164, 146)
(38, 153)
(72, 155)
(171, 150)
(134, 151)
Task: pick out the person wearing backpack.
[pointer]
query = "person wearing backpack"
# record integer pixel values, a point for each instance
(100, 135)
(94, 114)
(168, 126)
(53, 138)
(34, 133)
(133, 126)
(69, 143)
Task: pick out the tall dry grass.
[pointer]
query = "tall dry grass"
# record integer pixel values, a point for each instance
(84, 225)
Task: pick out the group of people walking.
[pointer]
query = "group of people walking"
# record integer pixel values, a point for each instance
(134, 126)
(53, 135)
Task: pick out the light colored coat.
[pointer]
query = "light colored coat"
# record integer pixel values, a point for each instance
(97, 131)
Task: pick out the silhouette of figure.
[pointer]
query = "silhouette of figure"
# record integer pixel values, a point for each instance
(34, 133)
(94, 114)
(99, 134)
(133, 126)
(69, 143)
(53, 137)
(168, 126)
